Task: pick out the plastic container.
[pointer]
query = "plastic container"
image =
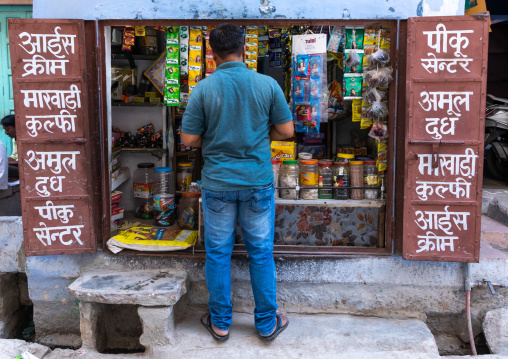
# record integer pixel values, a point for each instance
(344, 157)
(341, 179)
(184, 176)
(370, 179)
(289, 176)
(356, 176)
(188, 211)
(143, 185)
(164, 198)
(303, 156)
(309, 177)
(276, 170)
(325, 179)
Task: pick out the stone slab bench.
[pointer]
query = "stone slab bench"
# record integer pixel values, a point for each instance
(154, 292)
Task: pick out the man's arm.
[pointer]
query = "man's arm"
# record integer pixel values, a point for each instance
(282, 131)
(191, 140)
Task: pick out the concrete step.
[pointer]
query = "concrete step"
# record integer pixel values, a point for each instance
(495, 204)
(494, 236)
(308, 336)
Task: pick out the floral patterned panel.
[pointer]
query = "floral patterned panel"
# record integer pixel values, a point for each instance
(309, 225)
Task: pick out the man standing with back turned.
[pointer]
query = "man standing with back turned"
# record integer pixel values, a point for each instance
(233, 114)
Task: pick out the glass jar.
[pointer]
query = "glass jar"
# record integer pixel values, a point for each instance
(288, 177)
(183, 176)
(164, 198)
(276, 170)
(309, 177)
(341, 179)
(356, 176)
(303, 156)
(370, 176)
(188, 211)
(325, 179)
(143, 182)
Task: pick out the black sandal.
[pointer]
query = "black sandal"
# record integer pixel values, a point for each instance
(278, 329)
(208, 326)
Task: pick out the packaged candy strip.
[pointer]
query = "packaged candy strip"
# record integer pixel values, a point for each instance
(184, 49)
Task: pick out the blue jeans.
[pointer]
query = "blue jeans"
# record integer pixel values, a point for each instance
(254, 208)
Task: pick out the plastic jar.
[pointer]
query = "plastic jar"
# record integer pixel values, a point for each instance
(188, 211)
(356, 176)
(276, 170)
(309, 177)
(303, 156)
(325, 179)
(143, 183)
(289, 177)
(370, 176)
(164, 198)
(341, 179)
(344, 157)
(183, 176)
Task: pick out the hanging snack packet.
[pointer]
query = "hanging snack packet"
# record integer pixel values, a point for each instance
(354, 62)
(128, 38)
(372, 95)
(354, 38)
(371, 35)
(356, 108)
(353, 86)
(196, 36)
(172, 54)
(251, 55)
(303, 116)
(385, 37)
(172, 75)
(365, 123)
(184, 49)
(380, 57)
(195, 54)
(315, 67)
(336, 91)
(315, 90)
(379, 77)
(377, 112)
(251, 64)
(335, 39)
(172, 94)
(379, 131)
(314, 111)
(298, 91)
(195, 75)
(302, 66)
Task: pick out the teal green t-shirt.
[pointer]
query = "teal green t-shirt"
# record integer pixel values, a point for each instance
(233, 109)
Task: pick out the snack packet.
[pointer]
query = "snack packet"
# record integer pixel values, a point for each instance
(378, 131)
(353, 86)
(354, 37)
(196, 36)
(299, 91)
(356, 108)
(315, 67)
(377, 112)
(315, 90)
(354, 61)
(380, 57)
(302, 66)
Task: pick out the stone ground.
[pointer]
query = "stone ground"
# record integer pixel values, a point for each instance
(308, 336)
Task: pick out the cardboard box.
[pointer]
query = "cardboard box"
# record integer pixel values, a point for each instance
(314, 150)
(283, 150)
(147, 41)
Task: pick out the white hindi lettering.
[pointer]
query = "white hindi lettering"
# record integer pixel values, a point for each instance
(54, 183)
(454, 165)
(437, 132)
(430, 243)
(438, 40)
(38, 65)
(52, 160)
(59, 98)
(430, 220)
(460, 189)
(51, 212)
(43, 43)
(47, 235)
(438, 100)
(64, 122)
(437, 65)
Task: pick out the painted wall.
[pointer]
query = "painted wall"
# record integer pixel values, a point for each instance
(244, 9)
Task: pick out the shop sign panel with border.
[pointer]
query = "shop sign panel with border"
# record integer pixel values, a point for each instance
(445, 93)
(52, 128)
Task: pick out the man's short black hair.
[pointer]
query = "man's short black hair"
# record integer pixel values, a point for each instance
(227, 39)
(8, 121)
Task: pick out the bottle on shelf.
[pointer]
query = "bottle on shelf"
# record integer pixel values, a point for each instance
(164, 198)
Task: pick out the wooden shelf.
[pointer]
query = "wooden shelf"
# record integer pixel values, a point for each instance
(157, 152)
(191, 152)
(124, 175)
(137, 104)
(135, 57)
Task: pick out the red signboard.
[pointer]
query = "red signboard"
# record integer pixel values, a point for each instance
(445, 93)
(52, 128)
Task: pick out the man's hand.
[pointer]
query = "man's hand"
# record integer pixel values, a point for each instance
(191, 140)
(282, 132)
